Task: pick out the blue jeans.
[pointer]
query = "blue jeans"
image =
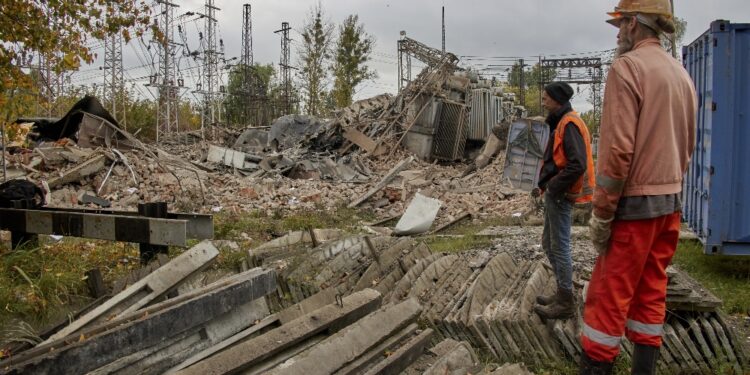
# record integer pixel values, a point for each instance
(556, 238)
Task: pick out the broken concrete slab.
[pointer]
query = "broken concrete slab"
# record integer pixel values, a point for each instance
(256, 350)
(146, 290)
(158, 358)
(96, 347)
(383, 182)
(460, 358)
(85, 169)
(399, 360)
(350, 343)
(232, 158)
(418, 216)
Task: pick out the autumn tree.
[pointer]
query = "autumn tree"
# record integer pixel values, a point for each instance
(59, 32)
(352, 51)
(314, 53)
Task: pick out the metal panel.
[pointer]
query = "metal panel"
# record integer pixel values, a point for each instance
(521, 164)
(716, 193)
(451, 131)
(486, 111)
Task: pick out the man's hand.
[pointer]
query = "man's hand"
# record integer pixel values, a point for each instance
(600, 230)
(536, 193)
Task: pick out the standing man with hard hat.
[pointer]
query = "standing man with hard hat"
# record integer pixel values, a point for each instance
(646, 139)
(567, 178)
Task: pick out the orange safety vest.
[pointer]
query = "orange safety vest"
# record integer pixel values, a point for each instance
(582, 190)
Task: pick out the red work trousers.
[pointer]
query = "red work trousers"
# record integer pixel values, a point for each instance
(628, 288)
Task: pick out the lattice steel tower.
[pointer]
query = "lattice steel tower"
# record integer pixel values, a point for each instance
(248, 91)
(286, 77)
(114, 85)
(166, 116)
(211, 73)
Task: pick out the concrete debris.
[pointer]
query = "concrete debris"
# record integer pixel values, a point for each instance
(419, 216)
(146, 290)
(132, 333)
(484, 298)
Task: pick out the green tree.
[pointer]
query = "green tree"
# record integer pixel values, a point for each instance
(249, 90)
(533, 81)
(666, 40)
(59, 32)
(314, 52)
(353, 49)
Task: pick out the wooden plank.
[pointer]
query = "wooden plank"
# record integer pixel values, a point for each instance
(360, 139)
(101, 345)
(254, 351)
(383, 182)
(147, 289)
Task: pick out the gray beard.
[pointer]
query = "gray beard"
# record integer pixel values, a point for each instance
(624, 46)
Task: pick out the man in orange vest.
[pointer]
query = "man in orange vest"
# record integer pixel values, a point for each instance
(566, 178)
(647, 137)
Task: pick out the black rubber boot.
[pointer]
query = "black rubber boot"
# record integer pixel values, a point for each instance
(644, 359)
(547, 300)
(562, 308)
(592, 367)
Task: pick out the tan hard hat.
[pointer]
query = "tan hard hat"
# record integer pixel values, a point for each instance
(657, 7)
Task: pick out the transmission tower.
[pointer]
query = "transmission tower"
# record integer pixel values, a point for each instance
(248, 91)
(164, 80)
(114, 85)
(52, 86)
(286, 77)
(211, 55)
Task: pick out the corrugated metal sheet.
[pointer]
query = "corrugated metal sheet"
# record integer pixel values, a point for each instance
(486, 111)
(523, 161)
(716, 194)
(450, 135)
(429, 116)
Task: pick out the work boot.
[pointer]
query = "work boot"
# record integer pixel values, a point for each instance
(592, 367)
(547, 300)
(562, 308)
(644, 359)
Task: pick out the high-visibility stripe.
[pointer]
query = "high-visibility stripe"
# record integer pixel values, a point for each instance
(610, 184)
(600, 337)
(647, 329)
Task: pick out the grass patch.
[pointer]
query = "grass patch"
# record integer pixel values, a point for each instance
(728, 277)
(36, 284)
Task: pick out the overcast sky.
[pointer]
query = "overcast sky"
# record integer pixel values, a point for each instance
(490, 31)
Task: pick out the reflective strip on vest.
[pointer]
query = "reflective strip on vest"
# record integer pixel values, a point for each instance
(600, 337)
(583, 189)
(610, 184)
(646, 329)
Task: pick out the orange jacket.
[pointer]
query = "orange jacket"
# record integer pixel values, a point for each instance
(647, 132)
(581, 191)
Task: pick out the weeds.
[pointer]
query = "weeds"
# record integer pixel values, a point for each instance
(728, 277)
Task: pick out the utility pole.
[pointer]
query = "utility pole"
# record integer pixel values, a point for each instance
(164, 81)
(443, 29)
(114, 85)
(286, 78)
(211, 76)
(522, 83)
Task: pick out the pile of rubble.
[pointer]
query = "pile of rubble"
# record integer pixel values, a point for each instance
(323, 301)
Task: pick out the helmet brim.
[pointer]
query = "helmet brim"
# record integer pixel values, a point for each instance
(616, 18)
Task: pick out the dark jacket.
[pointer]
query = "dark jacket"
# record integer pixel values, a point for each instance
(553, 180)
